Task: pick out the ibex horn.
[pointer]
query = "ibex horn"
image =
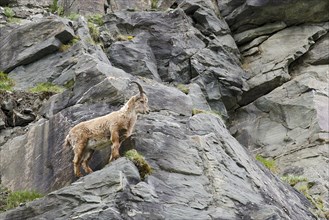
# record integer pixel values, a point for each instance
(139, 87)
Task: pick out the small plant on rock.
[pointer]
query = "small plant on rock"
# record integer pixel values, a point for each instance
(268, 163)
(196, 111)
(73, 16)
(293, 180)
(8, 12)
(46, 87)
(69, 84)
(96, 19)
(121, 37)
(6, 84)
(316, 201)
(183, 88)
(154, 4)
(94, 32)
(14, 199)
(143, 167)
(67, 46)
(54, 8)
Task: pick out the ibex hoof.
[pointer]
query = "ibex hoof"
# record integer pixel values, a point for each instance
(79, 175)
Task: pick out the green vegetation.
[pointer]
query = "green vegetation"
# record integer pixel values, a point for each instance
(183, 88)
(6, 84)
(9, 200)
(268, 163)
(196, 111)
(317, 202)
(121, 37)
(96, 19)
(94, 32)
(73, 16)
(69, 84)
(46, 87)
(14, 199)
(293, 180)
(66, 47)
(143, 167)
(54, 8)
(9, 13)
(154, 4)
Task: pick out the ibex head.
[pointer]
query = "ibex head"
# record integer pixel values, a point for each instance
(141, 100)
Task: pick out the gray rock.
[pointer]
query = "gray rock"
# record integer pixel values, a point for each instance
(291, 125)
(47, 165)
(257, 41)
(34, 3)
(205, 19)
(4, 2)
(23, 46)
(244, 14)
(2, 122)
(319, 53)
(198, 99)
(139, 5)
(166, 4)
(251, 52)
(269, 67)
(197, 170)
(167, 98)
(251, 34)
(213, 69)
(85, 7)
(138, 57)
(162, 45)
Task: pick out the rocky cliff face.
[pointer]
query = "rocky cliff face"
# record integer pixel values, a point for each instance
(256, 72)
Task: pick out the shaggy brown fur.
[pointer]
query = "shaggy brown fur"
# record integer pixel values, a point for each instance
(98, 133)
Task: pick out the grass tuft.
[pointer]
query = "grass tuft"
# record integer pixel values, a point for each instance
(46, 87)
(8, 12)
(94, 32)
(154, 4)
(6, 83)
(67, 46)
(183, 88)
(73, 16)
(268, 163)
(293, 180)
(14, 199)
(143, 167)
(96, 19)
(196, 111)
(55, 9)
(121, 37)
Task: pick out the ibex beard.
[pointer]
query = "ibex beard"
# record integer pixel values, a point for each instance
(98, 133)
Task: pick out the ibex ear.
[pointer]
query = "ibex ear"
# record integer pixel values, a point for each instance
(132, 101)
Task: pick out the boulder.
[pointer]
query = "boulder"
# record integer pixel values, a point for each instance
(161, 46)
(33, 3)
(171, 46)
(119, 5)
(32, 42)
(83, 7)
(197, 168)
(242, 15)
(60, 67)
(251, 34)
(290, 124)
(269, 67)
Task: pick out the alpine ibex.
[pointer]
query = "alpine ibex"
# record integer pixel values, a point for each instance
(97, 133)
